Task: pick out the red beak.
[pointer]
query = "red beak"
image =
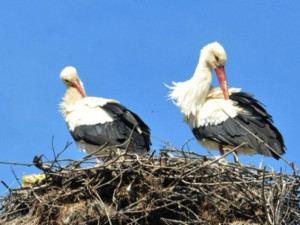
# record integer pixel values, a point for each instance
(76, 84)
(220, 71)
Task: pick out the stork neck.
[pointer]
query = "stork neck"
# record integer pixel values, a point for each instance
(202, 78)
(72, 96)
(191, 95)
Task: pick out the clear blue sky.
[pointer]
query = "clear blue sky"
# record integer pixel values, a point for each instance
(126, 50)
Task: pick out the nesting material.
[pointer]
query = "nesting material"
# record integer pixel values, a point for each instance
(172, 188)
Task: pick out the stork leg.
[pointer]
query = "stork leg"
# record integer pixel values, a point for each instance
(236, 158)
(98, 160)
(221, 150)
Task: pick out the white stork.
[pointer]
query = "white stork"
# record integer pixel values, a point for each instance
(94, 121)
(222, 118)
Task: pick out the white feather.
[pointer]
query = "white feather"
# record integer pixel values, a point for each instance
(202, 104)
(190, 95)
(87, 111)
(215, 110)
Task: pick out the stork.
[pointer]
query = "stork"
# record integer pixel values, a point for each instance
(224, 118)
(94, 121)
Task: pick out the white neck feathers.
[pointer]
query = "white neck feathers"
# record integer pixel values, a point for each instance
(191, 94)
(71, 97)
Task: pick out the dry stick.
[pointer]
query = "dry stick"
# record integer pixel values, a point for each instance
(104, 206)
(152, 209)
(151, 156)
(213, 161)
(133, 204)
(269, 147)
(48, 168)
(278, 207)
(51, 206)
(118, 186)
(174, 221)
(163, 141)
(56, 156)
(188, 209)
(182, 151)
(264, 199)
(64, 149)
(128, 141)
(285, 214)
(14, 212)
(53, 151)
(176, 212)
(220, 183)
(116, 177)
(129, 138)
(8, 188)
(187, 143)
(16, 163)
(169, 167)
(40, 201)
(17, 179)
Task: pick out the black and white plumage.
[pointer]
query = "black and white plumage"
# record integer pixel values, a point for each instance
(94, 121)
(222, 118)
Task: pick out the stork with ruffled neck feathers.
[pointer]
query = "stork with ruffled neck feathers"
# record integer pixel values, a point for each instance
(221, 117)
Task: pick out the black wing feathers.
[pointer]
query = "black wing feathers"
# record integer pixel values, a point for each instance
(256, 120)
(130, 118)
(118, 131)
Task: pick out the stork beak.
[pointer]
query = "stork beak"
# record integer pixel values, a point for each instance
(76, 84)
(220, 71)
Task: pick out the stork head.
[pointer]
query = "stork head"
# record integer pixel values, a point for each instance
(70, 78)
(214, 56)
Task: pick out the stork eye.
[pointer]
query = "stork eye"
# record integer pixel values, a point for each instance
(217, 58)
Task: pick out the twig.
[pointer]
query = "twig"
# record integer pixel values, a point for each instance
(15, 175)
(8, 188)
(213, 161)
(16, 163)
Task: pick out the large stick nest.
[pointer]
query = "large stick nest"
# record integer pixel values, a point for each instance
(172, 188)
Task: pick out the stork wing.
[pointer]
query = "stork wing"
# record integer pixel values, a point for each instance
(235, 131)
(124, 125)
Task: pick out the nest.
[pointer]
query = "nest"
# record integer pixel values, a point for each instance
(174, 187)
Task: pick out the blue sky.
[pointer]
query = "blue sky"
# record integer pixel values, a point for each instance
(126, 50)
